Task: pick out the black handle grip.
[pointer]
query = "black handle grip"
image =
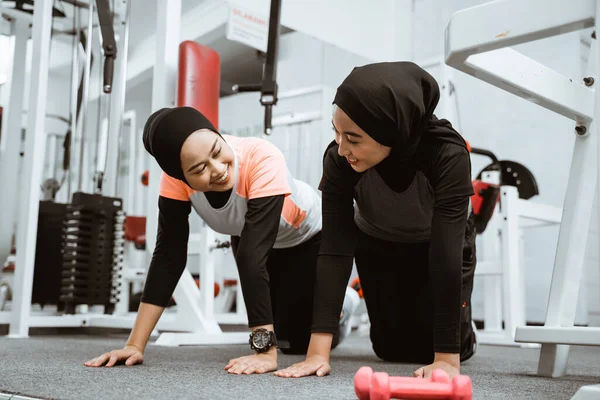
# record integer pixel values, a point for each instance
(67, 151)
(109, 69)
(247, 87)
(268, 117)
(482, 152)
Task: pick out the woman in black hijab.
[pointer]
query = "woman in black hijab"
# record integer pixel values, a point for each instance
(239, 187)
(410, 231)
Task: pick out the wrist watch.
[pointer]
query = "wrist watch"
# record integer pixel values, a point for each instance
(262, 340)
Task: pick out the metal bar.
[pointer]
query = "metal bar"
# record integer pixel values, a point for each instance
(132, 193)
(74, 137)
(268, 97)
(509, 23)
(572, 239)
(588, 392)
(164, 84)
(32, 170)
(117, 104)
(11, 139)
(515, 73)
(500, 24)
(540, 212)
(512, 272)
(109, 45)
(207, 272)
(86, 94)
(572, 335)
(199, 338)
(77, 3)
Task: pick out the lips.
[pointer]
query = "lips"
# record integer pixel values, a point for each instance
(223, 178)
(351, 161)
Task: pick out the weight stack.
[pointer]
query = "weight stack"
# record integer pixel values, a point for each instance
(93, 248)
(48, 254)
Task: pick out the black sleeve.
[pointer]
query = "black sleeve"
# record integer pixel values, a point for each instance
(255, 242)
(452, 185)
(338, 242)
(170, 254)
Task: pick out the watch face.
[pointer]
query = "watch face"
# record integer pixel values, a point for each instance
(260, 340)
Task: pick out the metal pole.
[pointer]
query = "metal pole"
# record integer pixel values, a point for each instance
(117, 107)
(86, 92)
(164, 85)
(74, 87)
(35, 144)
(132, 193)
(11, 138)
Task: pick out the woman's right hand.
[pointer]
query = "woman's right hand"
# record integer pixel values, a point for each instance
(130, 354)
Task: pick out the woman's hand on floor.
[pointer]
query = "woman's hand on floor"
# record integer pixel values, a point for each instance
(254, 364)
(130, 354)
(313, 365)
(450, 363)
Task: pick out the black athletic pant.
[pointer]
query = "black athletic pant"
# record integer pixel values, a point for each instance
(292, 273)
(398, 294)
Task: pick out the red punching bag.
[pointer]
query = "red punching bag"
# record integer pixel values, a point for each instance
(199, 79)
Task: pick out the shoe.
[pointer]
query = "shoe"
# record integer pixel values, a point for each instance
(474, 336)
(351, 302)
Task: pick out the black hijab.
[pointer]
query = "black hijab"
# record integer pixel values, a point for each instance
(393, 102)
(165, 132)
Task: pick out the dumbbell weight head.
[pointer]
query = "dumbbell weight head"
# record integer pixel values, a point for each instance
(380, 386)
(462, 388)
(362, 383)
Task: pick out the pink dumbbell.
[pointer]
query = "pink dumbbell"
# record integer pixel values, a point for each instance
(380, 386)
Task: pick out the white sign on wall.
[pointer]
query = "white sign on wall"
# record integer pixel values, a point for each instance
(247, 27)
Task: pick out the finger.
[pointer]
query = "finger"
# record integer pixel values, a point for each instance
(306, 371)
(291, 373)
(250, 370)
(234, 361)
(112, 360)
(419, 373)
(134, 359)
(101, 360)
(262, 370)
(285, 373)
(324, 370)
(237, 369)
(302, 370)
(234, 364)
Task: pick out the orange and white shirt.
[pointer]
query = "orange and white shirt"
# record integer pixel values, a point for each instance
(261, 171)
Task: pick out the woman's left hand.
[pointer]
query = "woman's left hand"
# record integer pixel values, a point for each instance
(425, 372)
(254, 364)
(313, 365)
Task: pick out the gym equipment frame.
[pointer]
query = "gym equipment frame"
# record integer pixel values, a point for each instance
(188, 317)
(482, 50)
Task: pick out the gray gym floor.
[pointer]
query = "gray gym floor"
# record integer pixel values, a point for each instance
(50, 366)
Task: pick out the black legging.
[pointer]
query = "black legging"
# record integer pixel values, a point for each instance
(292, 273)
(399, 300)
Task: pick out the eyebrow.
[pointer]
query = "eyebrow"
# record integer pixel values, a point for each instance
(204, 161)
(349, 133)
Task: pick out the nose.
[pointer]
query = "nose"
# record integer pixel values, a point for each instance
(216, 169)
(342, 149)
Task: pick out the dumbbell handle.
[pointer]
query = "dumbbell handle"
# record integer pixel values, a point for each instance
(417, 389)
